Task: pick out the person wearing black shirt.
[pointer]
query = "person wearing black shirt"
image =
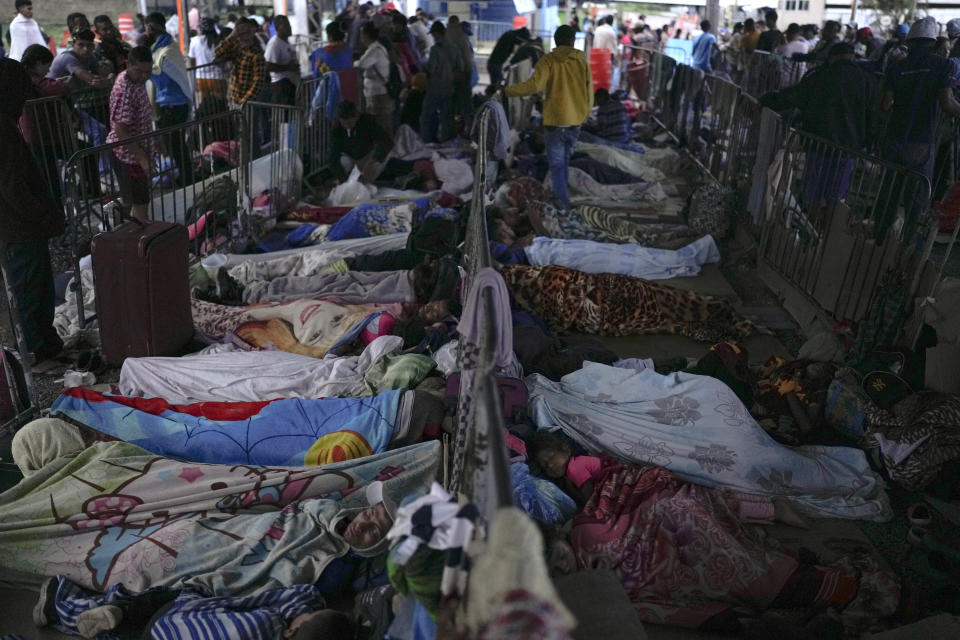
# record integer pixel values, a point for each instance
(770, 39)
(356, 141)
(502, 51)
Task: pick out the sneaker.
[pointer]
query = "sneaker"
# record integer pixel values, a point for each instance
(93, 622)
(44, 612)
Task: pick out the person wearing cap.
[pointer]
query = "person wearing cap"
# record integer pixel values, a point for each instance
(563, 76)
(24, 30)
(917, 90)
(871, 44)
(444, 66)
(502, 51)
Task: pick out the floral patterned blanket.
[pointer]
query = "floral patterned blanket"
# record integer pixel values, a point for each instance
(696, 427)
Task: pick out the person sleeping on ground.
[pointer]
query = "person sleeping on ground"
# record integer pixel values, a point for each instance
(285, 431)
(111, 513)
(603, 304)
(684, 552)
(316, 327)
(696, 427)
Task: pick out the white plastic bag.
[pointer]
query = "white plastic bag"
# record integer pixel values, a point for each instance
(351, 192)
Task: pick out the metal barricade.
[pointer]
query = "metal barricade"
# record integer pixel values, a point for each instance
(840, 220)
(315, 134)
(480, 468)
(211, 87)
(200, 171)
(273, 136)
(715, 126)
(761, 72)
(49, 127)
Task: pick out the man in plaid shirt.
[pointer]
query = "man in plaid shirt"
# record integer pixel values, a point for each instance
(241, 47)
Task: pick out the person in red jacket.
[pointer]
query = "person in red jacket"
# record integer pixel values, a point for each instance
(29, 217)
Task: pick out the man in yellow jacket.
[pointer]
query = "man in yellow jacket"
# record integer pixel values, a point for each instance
(564, 77)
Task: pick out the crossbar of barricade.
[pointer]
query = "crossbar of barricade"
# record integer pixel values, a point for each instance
(199, 171)
(480, 469)
(840, 220)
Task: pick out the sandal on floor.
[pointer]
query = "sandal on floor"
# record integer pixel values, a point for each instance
(919, 514)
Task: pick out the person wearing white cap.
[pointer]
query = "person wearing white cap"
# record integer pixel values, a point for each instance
(917, 90)
(365, 530)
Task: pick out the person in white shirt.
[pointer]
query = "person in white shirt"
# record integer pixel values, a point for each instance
(793, 70)
(375, 64)
(282, 63)
(211, 78)
(605, 37)
(24, 30)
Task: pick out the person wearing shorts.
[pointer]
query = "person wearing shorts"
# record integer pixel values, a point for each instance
(130, 116)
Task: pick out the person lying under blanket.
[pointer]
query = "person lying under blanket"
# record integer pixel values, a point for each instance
(316, 327)
(144, 521)
(602, 304)
(285, 431)
(684, 554)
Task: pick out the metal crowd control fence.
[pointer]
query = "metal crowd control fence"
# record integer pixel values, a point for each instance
(840, 220)
(211, 87)
(480, 468)
(197, 178)
(49, 127)
(273, 138)
(315, 139)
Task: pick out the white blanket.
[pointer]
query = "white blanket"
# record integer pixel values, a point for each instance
(696, 427)
(250, 376)
(625, 259)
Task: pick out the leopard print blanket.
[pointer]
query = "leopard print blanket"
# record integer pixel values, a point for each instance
(617, 305)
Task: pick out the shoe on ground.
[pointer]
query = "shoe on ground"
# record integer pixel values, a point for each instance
(93, 622)
(44, 612)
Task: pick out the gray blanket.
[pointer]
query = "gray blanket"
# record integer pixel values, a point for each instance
(353, 287)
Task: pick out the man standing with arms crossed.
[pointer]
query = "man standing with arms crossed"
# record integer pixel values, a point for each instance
(564, 78)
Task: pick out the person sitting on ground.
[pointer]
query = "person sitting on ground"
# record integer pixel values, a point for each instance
(611, 119)
(356, 141)
(112, 48)
(130, 116)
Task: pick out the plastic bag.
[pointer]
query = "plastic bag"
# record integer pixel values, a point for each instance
(352, 191)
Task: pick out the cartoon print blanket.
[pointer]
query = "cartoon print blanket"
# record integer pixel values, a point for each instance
(285, 431)
(116, 513)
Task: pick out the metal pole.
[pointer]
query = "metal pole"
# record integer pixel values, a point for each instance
(713, 14)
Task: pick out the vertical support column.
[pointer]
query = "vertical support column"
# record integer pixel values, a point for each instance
(713, 14)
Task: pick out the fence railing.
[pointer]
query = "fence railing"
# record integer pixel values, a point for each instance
(480, 468)
(831, 222)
